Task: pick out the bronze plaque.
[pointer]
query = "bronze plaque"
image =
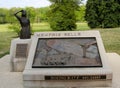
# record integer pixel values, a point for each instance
(83, 77)
(67, 52)
(21, 50)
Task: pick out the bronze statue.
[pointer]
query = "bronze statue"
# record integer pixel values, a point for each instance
(25, 32)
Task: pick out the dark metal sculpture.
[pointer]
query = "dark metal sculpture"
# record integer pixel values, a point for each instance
(25, 32)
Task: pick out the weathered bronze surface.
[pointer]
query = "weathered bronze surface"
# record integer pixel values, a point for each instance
(67, 52)
(25, 32)
(21, 51)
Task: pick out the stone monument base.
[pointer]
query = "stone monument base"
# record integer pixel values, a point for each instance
(66, 77)
(67, 60)
(19, 53)
(15, 80)
(64, 84)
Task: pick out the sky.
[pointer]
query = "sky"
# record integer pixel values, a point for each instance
(24, 3)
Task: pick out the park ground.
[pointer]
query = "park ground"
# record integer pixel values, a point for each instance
(110, 36)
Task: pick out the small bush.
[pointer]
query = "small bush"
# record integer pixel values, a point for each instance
(15, 27)
(62, 15)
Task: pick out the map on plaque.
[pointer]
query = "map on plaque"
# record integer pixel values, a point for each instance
(67, 52)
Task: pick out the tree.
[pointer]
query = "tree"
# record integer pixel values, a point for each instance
(80, 14)
(3, 15)
(62, 14)
(102, 13)
(11, 18)
(41, 14)
(31, 13)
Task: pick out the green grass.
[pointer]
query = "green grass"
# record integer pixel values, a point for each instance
(5, 39)
(111, 39)
(41, 27)
(111, 36)
(82, 26)
(6, 35)
(3, 28)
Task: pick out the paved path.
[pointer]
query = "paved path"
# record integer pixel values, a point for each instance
(14, 79)
(9, 79)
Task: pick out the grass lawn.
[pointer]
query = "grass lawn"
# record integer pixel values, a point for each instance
(5, 39)
(111, 36)
(111, 39)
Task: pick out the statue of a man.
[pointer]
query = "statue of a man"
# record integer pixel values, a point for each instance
(25, 32)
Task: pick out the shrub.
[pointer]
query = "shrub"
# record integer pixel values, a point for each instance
(15, 27)
(102, 13)
(62, 14)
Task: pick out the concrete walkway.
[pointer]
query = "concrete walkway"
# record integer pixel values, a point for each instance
(9, 79)
(14, 79)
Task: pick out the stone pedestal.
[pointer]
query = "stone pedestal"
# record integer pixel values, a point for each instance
(67, 78)
(18, 53)
(48, 75)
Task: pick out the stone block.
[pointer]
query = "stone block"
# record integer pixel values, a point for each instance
(90, 69)
(19, 53)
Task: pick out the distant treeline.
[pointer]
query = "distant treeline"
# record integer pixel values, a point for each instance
(36, 15)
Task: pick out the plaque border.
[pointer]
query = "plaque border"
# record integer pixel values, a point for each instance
(68, 66)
